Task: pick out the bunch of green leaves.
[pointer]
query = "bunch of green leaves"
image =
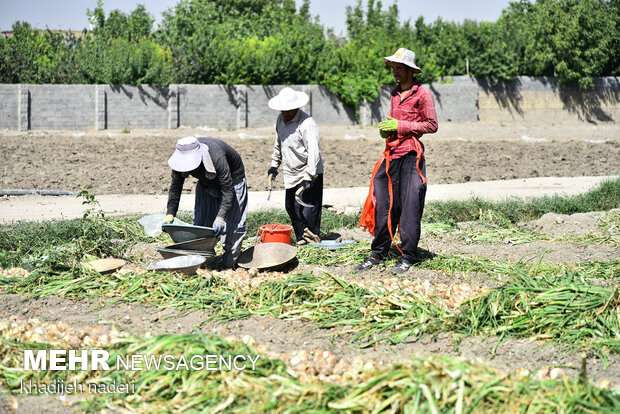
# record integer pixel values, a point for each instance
(576, 313)
(60, 244)
(32, 56)
(604, 197)
(557, 302)
(119, 61)
(431, 384)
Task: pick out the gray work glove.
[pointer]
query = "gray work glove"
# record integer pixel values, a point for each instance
(220, 225)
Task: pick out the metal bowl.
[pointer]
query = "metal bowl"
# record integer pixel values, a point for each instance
(167, 253)
(185, 232)
(204, 244)
(187, 264)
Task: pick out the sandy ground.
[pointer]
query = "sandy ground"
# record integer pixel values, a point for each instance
(45, 207)
(136, 163)
(128, 172)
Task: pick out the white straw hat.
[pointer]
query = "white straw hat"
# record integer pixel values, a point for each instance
(404, 56)
(288, 99)
(188, 155)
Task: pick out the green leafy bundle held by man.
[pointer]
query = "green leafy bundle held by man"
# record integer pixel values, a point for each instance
(398, 183)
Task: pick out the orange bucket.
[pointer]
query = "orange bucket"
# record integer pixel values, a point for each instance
(275, 233)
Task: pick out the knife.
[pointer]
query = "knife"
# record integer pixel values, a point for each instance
(298, 194)
(270, 179)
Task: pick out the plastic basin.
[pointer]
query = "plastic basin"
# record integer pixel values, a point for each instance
(275, 233)
(187, 264)
(333, 245)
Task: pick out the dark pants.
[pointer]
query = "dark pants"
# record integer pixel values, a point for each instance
(302, 217)
(407, 206)
(207, 205)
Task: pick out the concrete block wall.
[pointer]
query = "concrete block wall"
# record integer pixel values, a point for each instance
(257, 111)
(456, 101)
(9, 111)
(462, 99)
(61, 106)
(326, 108)
(542, 99)
(136, 107)
(211, 106)
(24, 107)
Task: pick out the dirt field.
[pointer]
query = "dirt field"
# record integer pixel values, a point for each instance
(135, 163)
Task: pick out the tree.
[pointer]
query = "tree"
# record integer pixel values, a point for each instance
(34, 56)
(135, 26)
(571, 39)
(270, 42)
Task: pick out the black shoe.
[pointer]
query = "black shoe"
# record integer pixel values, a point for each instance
(401, 266)
(367, 264)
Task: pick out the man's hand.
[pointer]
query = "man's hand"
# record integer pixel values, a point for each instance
(220, 224)
(306, 184)
(390, 125)
(385, 134)
(272, 171)
(169, 219)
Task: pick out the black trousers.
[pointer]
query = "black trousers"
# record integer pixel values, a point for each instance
(302, 217)
(407, 206)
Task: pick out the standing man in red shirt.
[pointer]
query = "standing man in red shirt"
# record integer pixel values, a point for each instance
(398, 184)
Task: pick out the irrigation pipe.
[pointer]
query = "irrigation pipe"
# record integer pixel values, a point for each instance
(36, 192)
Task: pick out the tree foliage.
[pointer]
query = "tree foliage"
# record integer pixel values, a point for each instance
(273, 42)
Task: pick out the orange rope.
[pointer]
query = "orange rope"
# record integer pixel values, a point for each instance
(390, 192)
(367, 219)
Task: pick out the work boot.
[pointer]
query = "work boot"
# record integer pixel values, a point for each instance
(228, 262)
(367, 264)
(401, 266)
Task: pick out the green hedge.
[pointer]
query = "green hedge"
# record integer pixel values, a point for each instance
(273, 42)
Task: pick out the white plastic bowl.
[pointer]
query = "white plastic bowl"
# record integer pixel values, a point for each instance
(187, 264)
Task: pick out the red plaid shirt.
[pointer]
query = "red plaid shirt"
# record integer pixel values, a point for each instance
(416, 116)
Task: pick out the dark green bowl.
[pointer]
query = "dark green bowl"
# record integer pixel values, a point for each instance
(185, 232)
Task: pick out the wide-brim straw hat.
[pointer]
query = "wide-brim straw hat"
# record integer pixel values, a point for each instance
(288, 99)
(104, 266)
(404, 56)
(188, 155)
(267, 255)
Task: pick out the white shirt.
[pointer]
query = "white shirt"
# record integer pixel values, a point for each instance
(297, 148)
